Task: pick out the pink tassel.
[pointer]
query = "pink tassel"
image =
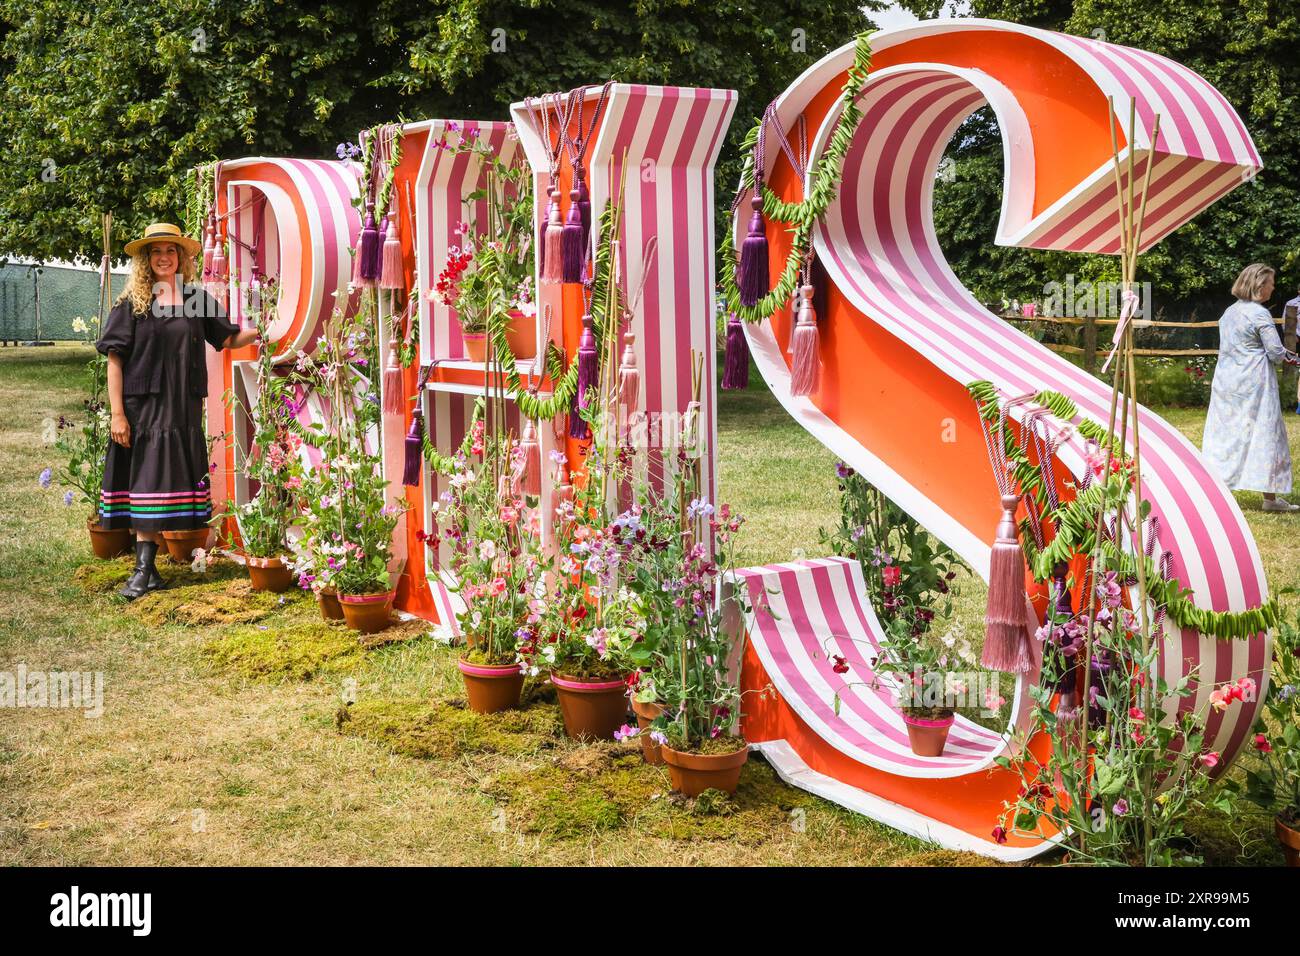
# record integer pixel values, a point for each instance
(209, 241)
(220, 274)
(553, 244)
(572, 242)
(753, 257)
(391, 274)
(805, 374)
(394, 400)
(542, 229)
(629, 377)
(532, 449)
(1006, 633)
(413, 449)
(735, 367)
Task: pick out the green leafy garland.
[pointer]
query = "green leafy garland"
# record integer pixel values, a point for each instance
(565, 380)
(1075, 525)
(806, 214)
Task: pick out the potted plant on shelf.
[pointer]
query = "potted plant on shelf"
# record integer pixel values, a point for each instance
(84, 448)
(491, 529)
(1272, 778)
(488, 275)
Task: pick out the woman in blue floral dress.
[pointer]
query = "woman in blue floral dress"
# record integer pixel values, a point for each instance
(1245, 440)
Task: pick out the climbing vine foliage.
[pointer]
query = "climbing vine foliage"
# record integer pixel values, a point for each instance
(804, 215)
(1073, 524)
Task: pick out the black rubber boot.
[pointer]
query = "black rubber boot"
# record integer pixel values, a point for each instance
(156, 582)
(137, 585)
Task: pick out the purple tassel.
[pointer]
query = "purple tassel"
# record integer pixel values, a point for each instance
(735, 369)
(584, 207)
(753, 258)
(588, 373)
(414, 450)
(574, 246)
(368, 248)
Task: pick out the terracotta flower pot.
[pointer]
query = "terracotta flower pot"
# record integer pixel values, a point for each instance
(592, 710)
(269, 574)
(645, 715)
(1289, 837)
(330, 609)
(181, 544)
(927, 735)
(475, 346)
(367, 613)
(109, 542)
(491, 687)
(521, 333)
(692, 774)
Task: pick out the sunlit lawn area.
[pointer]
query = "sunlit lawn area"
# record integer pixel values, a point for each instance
(225, 738)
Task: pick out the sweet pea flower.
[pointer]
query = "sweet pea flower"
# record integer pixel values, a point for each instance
(1121, 808)
(1210, 759)
(67, 499)
(45, 478)
(1262, 744)
(626, 732)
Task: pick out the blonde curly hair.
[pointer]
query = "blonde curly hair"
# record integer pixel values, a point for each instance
(140, 283)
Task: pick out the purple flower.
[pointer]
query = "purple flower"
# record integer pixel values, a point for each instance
(626, 732)
(843, 470)
(67, 499)
(45, 477)
(1121, 807)
(659, 737)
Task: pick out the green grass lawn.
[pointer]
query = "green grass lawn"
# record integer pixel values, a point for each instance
(226, 738)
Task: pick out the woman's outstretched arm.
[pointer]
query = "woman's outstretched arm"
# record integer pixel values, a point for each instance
(241, 338)
(118, 427)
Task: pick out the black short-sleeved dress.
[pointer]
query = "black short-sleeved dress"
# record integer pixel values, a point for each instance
(161, 482)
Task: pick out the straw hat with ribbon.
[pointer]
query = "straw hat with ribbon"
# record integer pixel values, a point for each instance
(164, 232)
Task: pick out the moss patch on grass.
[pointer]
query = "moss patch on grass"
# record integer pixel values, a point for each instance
(102, 577)
(294, 647)
(442, 730)
(603, 787)
(212, 603)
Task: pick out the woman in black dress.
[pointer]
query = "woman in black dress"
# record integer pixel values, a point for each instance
(156, 472)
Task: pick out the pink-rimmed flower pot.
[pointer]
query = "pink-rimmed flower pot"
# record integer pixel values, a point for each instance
(367, 613)
(491, 687)
(592, 710)
(928, 735)
(475, 345)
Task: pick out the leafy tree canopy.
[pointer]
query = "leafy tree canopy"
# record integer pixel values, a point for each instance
(106, 106)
